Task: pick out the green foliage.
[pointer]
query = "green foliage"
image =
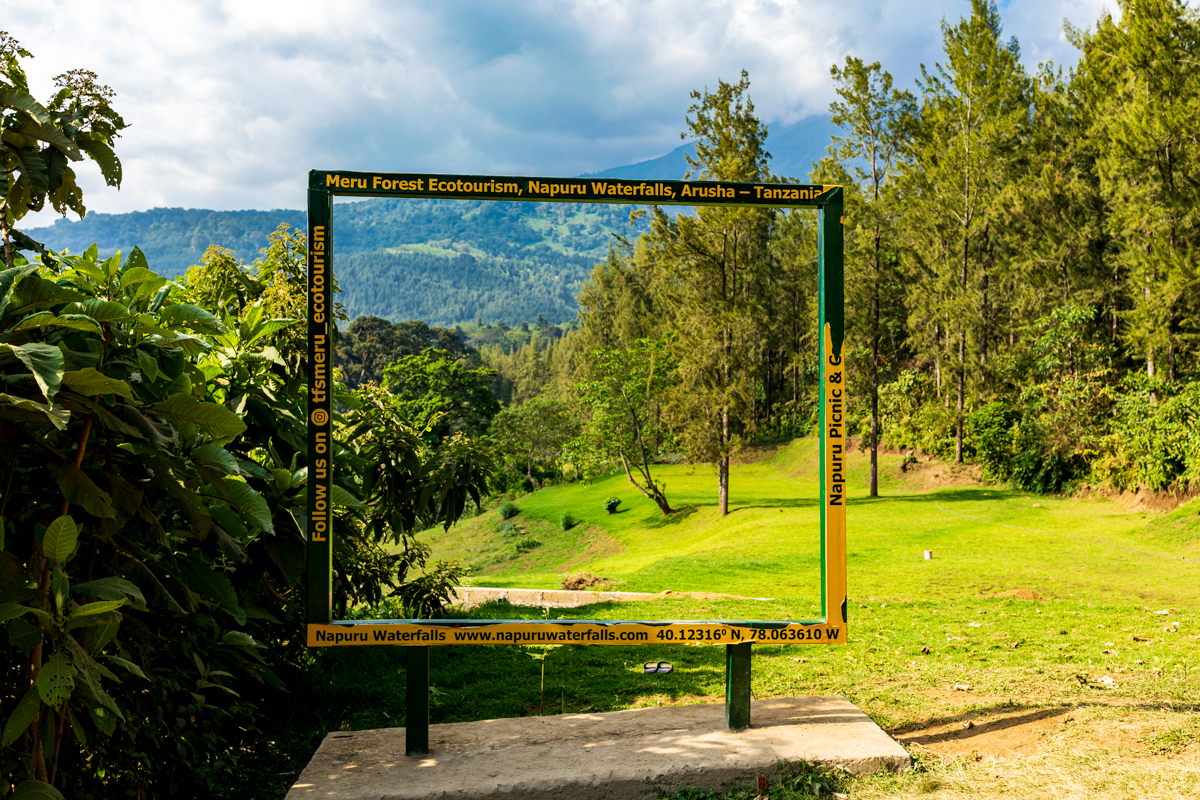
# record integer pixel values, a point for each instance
(508, 509)
(370, 344)
(989, 427)
(38, 142)
(566, 521)
(153, 513)
(534, 435)
(526, 543)
(437, 393)
(611, 503)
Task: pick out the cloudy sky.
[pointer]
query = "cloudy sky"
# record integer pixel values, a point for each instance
(232, 102)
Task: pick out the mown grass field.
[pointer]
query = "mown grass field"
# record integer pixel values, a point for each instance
(1027, 658)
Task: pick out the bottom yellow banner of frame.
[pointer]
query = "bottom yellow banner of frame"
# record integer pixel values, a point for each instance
(419, 633)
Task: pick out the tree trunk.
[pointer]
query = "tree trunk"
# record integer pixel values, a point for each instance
(723, 485)
(962, 378)
(875, 371)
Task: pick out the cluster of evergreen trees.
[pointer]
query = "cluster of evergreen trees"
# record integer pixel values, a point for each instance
(1021, 273)
(1021, 268)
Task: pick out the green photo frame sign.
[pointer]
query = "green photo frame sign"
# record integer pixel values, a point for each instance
(324, 631)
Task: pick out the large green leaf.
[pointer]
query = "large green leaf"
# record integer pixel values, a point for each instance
(12, 611)
(27, 410)
(148, 365)
(250, 503)
(48, 133)
(36, 790)
(129, 666)
(341, 497)
(22, 715)
(98, 607)
(18, 100)
(8, 278)
(218, 457)
(112, 589)
(46, 319)
(208, 583)
(239, 638)
(90, 381)
(103, 708)
(35, 292)
(217, 421)
(190, 345)
(139, 281)
(79, 489)
(190, 317)
(56, 680)
(60, 540)
(103, 155)
(45, 361)
(100, 310)
(23, 635)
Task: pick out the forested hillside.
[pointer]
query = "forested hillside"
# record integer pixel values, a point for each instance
(442, 261)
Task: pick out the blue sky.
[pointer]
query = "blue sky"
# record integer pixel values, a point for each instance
(232, 102)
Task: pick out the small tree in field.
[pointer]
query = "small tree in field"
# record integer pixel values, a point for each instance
(625, 429)
(534, 433)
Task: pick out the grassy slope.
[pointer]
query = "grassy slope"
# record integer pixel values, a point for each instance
(985, 540)
(1106, 690)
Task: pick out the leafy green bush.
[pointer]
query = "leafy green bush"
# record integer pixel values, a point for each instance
(508, 509)
(509, 530)
(154, 464)
(1154, 443)
(610, 505)
(990, 429)
(566, 521)
(526, 543)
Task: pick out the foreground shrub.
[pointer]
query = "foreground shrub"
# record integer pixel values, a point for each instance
(566, 521)
(508, 509)
(152, 536)
(610, 505)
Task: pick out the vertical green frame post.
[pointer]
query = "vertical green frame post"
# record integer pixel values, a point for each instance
(320, 407)
(832, 398)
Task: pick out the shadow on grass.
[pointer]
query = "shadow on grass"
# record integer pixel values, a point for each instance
(674, 518)
(956, 495)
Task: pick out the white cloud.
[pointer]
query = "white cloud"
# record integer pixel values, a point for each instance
(232, 102)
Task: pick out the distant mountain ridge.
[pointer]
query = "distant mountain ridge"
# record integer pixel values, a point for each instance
(441, 261)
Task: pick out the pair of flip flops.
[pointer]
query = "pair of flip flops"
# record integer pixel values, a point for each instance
(657, 667)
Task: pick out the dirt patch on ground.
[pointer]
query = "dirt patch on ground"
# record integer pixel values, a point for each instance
(929, 474)
(999, 734)
(1020, 594)
(585, 580)
(1144, 499)
(973, 726)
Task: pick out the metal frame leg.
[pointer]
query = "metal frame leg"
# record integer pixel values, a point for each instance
(416, 724)
(737, 686)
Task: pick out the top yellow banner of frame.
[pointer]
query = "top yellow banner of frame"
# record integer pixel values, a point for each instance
(571, 190)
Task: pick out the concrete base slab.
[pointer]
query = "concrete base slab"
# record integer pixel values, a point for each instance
(613, 756)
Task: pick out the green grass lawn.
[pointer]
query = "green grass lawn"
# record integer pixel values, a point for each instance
(1106, 689)
(985, 540)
